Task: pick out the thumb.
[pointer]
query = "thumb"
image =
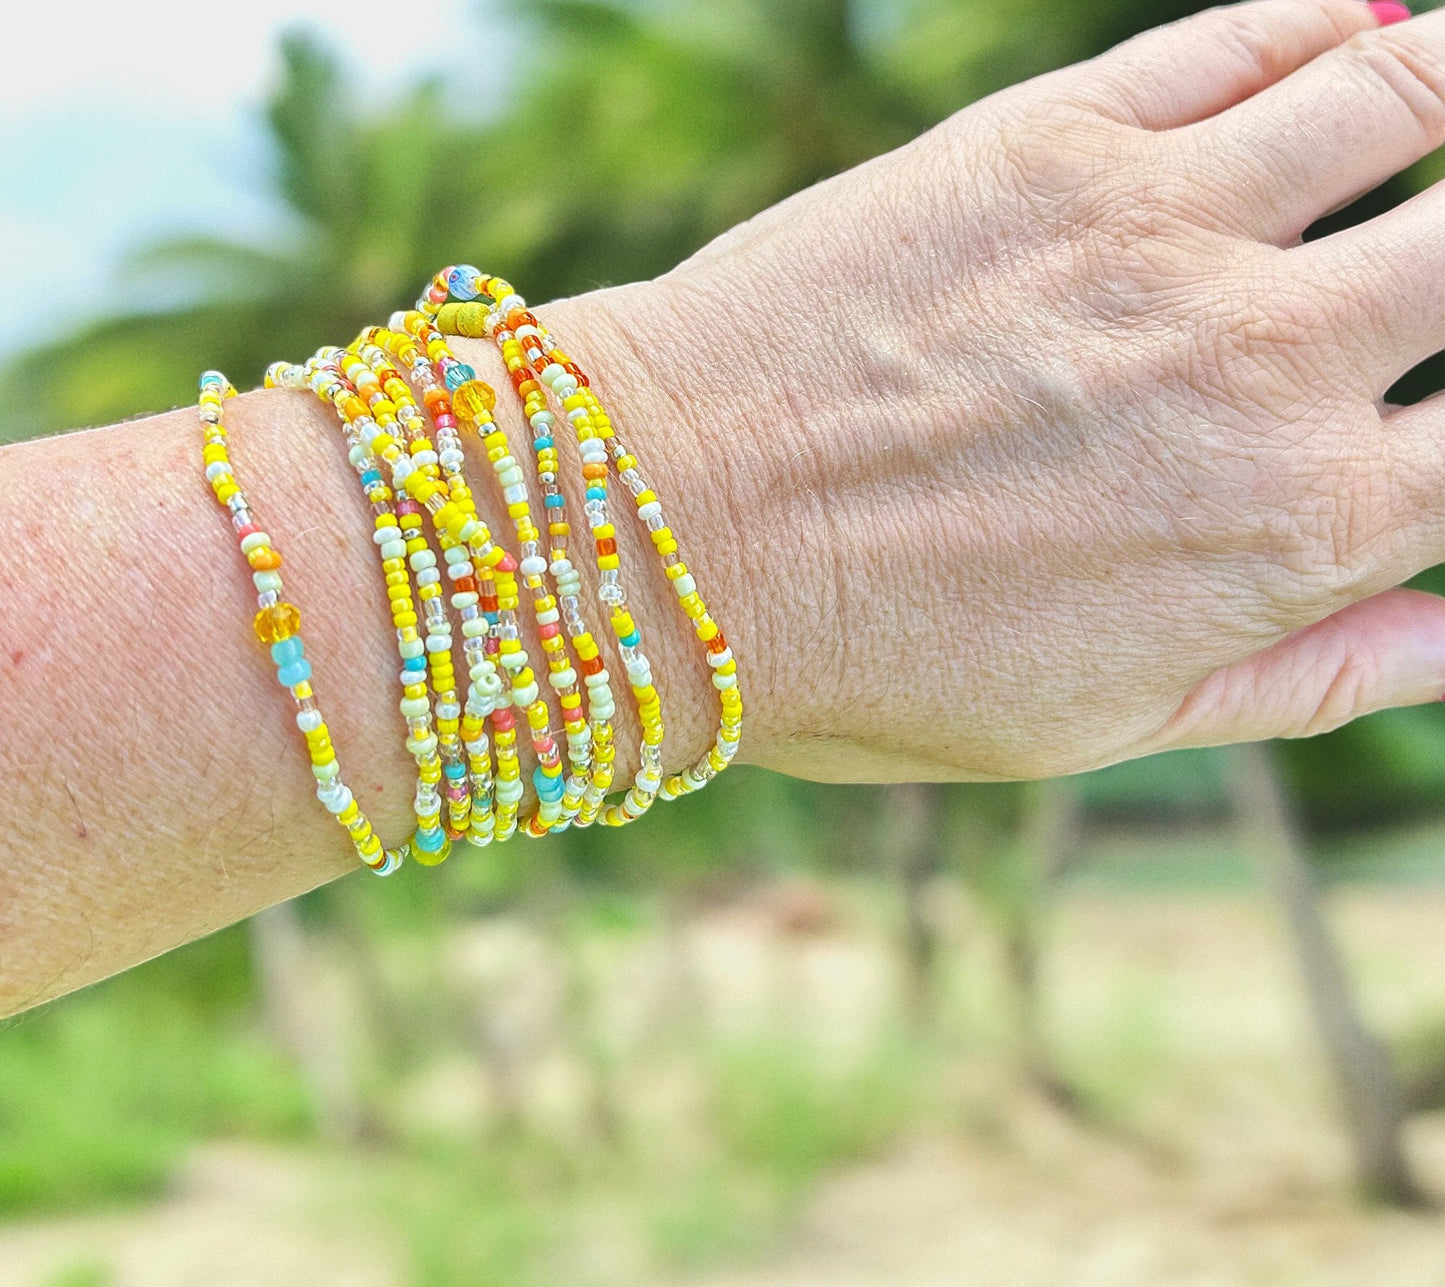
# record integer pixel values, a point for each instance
(1387, 650)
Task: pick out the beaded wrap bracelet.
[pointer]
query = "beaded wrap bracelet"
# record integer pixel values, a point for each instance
(402, 400)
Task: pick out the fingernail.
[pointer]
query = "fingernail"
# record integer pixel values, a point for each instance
(1388, 11)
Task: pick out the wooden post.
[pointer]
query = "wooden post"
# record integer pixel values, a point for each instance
(1369, 1086)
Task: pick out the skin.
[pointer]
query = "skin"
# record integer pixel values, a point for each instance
(1037, 444)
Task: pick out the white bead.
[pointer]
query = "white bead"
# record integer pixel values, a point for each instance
(438, 643)
(326, 772)
(513, 660)
(514, 494)
(652, 509)
(533, 566)
(684, 585)
(422, 559)
(334, 795)
(603, 710)
(308, 721)
(384, 534)
(509, 790)
(455, 554)
(215, 469)
(525, 694)
(415, 707)
(512, 477)
(560, 679)
(422, 746)
(542, 420)
(266, 581)
(477, 628)
(600, 680)
(504, 463)
(549, 617)
(255, 540)
(720, 658)
(551, 373)
(464, 599)
(724, 681)
(592, 450)
(393, 550)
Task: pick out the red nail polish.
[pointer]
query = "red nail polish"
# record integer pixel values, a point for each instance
(1388, 11)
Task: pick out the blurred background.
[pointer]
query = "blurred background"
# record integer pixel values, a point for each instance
(1176, 1022)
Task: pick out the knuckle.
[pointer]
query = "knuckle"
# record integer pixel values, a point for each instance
(1056, 152)
(1350, 692)
(1252, 47)
(1407, 70)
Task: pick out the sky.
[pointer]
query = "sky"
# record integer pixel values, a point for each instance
(122, 125)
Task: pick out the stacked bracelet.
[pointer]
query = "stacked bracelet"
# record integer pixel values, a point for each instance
(403, 401)
(507, 319)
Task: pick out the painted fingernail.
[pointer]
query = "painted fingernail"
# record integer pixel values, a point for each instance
(1388, 11)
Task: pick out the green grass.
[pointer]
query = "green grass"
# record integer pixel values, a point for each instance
(101, 1093)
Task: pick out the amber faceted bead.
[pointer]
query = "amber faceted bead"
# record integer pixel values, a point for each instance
(472, 399)
(279, 621)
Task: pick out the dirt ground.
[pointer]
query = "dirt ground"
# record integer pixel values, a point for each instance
(1222, 1165)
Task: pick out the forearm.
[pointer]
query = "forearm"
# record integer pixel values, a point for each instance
(156, 786)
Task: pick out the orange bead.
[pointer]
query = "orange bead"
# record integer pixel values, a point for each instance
(279, 621)
(264, 559)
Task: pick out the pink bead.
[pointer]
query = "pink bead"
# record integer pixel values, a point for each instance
(508, 564)
(547, 631)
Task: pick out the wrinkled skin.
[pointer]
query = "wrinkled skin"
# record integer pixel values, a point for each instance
(1053, 443)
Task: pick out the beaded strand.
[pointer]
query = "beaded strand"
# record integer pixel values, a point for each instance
(278, 625)
(589, 738)
(571, 389)
(395, 536)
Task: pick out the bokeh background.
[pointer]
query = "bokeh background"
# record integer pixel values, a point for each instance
(1177, 1022)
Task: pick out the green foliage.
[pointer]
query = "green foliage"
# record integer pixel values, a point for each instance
(83, 1273)
(100, 1093)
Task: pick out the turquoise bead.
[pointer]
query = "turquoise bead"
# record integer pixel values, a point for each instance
(548, 788)
(293, 673)
(286, 651)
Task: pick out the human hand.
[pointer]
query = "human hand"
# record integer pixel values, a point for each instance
(1047, 442)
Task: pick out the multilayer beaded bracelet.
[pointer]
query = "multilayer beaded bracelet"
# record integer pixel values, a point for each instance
(404, 403)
